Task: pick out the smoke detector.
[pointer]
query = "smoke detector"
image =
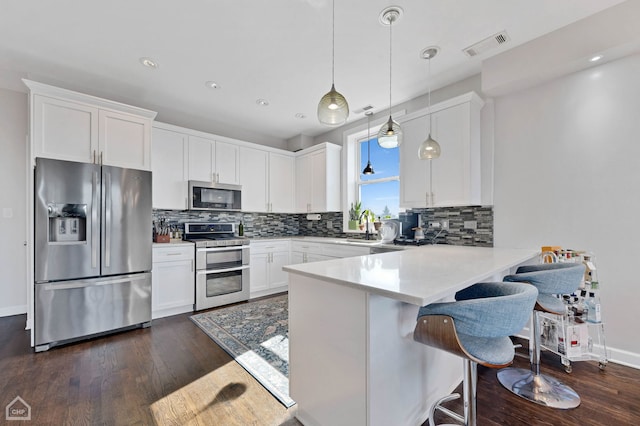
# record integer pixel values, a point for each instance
(487, 44)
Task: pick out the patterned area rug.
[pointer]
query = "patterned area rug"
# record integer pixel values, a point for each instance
(256, 335)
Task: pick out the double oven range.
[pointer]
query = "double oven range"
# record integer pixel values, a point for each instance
(222, 264)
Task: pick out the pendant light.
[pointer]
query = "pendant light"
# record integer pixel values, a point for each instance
(368, 170)
(390, 134)
(429, 148)
(333, 108)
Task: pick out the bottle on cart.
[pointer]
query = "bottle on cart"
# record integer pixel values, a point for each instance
(593, 305)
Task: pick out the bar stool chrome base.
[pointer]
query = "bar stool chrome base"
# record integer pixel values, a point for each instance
(540, 388)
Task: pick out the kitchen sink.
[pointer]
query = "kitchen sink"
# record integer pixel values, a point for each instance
(358, 240)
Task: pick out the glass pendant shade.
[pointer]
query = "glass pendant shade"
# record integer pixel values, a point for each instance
(390, 134)
(333, 108)
(429, 149)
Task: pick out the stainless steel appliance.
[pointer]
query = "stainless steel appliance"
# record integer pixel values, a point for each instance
(222, 264)
(214, 196)
(92, 250)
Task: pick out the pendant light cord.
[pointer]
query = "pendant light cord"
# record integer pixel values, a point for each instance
(429, 72)
(391, 19)
(333, 41)
(369, 139)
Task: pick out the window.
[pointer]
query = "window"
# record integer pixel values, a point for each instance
(379, 192)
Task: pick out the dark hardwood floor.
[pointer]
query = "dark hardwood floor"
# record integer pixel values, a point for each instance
(173, 374)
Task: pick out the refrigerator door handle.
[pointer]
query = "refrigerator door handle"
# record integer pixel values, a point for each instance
(107, 220)
(95, 231)
(67, 285)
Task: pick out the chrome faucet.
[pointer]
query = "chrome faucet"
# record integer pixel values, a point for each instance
(367, 234)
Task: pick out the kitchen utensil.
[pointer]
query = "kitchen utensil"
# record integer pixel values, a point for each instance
(388, 231)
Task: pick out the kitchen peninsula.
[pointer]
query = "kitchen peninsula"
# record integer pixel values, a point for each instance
(352, 355)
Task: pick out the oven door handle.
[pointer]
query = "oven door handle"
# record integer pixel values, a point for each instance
(219, 271)
(226, 248)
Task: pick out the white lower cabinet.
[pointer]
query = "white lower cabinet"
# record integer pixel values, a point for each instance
(267, 259)
(172, 282)
(307, 252)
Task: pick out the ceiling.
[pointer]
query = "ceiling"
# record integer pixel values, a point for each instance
(278, 50)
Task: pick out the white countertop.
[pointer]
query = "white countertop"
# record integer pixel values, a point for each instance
(420, 276)
(332, 240)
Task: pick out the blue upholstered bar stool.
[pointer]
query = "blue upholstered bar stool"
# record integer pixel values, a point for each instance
(551, 279)
(476, 327)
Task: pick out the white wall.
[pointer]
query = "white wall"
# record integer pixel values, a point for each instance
(567, 172)
(13, 133)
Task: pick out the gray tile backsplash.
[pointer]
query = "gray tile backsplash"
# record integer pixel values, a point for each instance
(330, 224)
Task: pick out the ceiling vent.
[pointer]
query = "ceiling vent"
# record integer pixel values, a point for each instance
(363, 109)
(487, 44)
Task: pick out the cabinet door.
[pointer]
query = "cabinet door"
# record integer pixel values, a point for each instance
(452, 171)
(254, 179)
(201, 156)
(303, 183)
(318, 182)
(125, 140)
(413, 171)
(64, 130)
(297, 258)
(172, 287)
(226, 163)
(456, 173)
(259, 275)
(278, 277)
(281, 182)
(169, 166)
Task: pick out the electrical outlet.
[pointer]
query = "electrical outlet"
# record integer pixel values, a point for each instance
(329, 224)
(470, 224)
(444, 223)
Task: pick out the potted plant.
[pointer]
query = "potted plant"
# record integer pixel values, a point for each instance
(354, 215)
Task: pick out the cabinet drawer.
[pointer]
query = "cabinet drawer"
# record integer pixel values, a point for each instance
(169, 254)
(269, 246)
(306, 247)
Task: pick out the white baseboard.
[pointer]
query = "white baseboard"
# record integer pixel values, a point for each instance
(13, 310)
(617, 356)
(626, 358)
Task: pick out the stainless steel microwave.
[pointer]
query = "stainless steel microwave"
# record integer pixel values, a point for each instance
(214, 196)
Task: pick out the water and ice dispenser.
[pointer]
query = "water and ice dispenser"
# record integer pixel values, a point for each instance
(67, 223)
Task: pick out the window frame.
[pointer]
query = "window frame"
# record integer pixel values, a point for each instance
(351, 161)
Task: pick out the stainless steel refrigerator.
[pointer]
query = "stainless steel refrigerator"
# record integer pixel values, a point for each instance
(92, 250)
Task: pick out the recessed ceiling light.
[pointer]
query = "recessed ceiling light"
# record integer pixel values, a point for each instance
(212, 84)
(301, 115)
(596, 58)
(262, 102)
(148, 62)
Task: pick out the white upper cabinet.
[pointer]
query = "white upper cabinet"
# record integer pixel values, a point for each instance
(124, 140)
(318, 179)
(456, 173)
(201, 159)
(213, 161)
(71, 126)
(170, 165)
(267, 180)
(281, 182)
(254, 178)
(227, 159)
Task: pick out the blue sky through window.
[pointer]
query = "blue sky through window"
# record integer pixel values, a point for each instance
(386, 164)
